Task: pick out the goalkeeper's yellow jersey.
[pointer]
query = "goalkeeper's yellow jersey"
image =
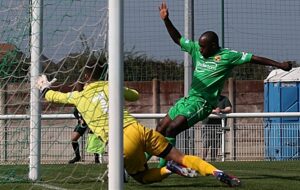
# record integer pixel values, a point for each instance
(92, 103)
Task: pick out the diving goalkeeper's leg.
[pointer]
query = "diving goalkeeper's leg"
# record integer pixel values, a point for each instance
(158, 174)
(151, 175)
(162, 162)
(202, 167)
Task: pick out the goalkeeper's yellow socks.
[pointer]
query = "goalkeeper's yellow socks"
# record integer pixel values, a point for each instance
(201, 166)
(163, 162)
(155, 175)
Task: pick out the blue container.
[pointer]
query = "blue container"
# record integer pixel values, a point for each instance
(282, 135)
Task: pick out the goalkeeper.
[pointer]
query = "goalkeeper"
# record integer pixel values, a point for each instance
(92, 103)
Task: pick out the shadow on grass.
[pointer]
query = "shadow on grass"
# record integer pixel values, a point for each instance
(184, 185)
(264, 177)
(187, 185)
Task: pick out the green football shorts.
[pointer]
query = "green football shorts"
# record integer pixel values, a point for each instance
(193, 108)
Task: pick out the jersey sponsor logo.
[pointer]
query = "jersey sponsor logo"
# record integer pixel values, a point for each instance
(208, 65)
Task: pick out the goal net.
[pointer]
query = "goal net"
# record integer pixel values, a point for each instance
(73, 32)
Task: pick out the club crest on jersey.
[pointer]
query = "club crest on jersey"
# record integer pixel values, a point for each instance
(217, 58)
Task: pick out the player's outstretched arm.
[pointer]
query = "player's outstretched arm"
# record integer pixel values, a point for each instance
(286, 66)
(164, 15)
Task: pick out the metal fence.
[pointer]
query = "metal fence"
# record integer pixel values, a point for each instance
(240, 142)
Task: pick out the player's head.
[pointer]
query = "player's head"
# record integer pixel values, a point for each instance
(209, 44)
(95, 69)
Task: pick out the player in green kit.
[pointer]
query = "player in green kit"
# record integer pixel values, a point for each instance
(212, 66)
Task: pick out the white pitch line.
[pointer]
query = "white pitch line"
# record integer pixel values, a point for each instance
(50, 186)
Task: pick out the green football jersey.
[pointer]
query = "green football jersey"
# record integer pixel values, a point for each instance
(211, 73)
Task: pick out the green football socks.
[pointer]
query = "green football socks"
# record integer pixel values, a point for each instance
(148, 156)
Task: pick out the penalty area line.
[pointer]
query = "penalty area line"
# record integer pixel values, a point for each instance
(49, 186)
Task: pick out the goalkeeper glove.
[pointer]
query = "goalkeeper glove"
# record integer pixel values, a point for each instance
(42, 82)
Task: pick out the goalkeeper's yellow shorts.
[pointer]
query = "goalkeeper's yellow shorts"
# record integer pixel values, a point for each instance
(138, 140)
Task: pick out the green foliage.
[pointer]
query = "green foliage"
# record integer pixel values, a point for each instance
(142, 68)
(251, 72)
(137, 67)
(14, 66)
(70, 69)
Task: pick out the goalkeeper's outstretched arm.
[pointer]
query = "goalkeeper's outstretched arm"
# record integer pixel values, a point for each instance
(50, 95)
(43, 84)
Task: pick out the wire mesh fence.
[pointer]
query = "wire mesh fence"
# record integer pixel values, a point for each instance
(256, 141)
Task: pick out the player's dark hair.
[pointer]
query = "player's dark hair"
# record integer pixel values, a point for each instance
(212, 37)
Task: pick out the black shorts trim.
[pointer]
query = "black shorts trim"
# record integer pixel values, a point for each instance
(166, 151)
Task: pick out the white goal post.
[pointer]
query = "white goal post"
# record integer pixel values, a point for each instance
(35, 106)
(116, 83)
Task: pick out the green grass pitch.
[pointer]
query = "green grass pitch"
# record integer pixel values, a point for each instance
(266, 175)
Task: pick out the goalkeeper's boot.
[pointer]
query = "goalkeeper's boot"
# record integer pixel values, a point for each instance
(231, 181)
(75, 159)
(181, 170)
(97, 160)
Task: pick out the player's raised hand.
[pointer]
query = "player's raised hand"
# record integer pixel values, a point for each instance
(42, 82)
(163, 10)
(286, 65)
